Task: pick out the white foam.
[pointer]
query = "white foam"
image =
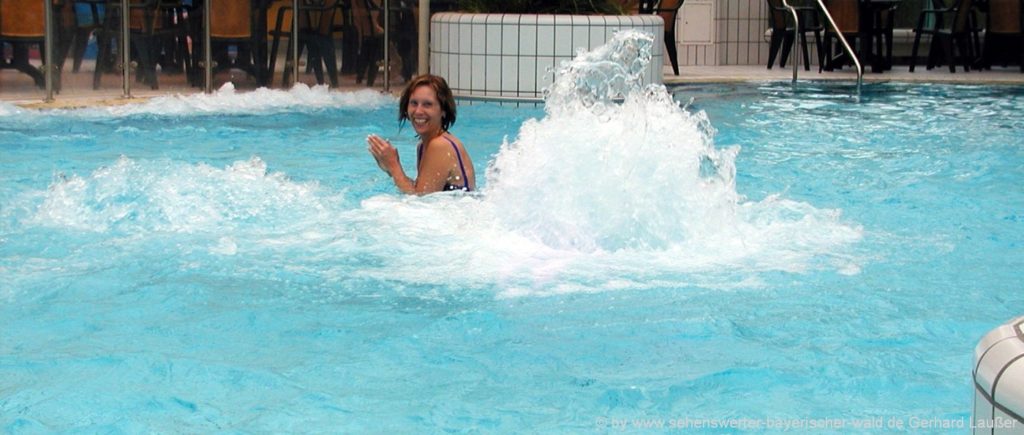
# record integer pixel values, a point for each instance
(166, 196)
(227, 100)
(8, 109)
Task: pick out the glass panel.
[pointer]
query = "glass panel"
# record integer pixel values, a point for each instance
(160, 47)
(277, 24)
(94, 58)
(370, 58)
(404, 36)
(22, 32)
(319, 24)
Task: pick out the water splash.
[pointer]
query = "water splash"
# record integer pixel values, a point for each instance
(8, 109)
(226, 100)
(163, 196)
(594, 79)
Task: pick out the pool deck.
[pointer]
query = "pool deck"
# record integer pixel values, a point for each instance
(18, 89)
(899, 73)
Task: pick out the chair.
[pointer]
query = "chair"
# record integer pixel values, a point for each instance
(316, 26)
(22, 24)
(862, 23)
(668, 10)
(231, 25)
(1003, 34)
(779, 18)
(950, 27)
(846, 14)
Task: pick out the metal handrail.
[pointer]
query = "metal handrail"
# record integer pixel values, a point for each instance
(126, 58)
(846, 45)
(798, 54)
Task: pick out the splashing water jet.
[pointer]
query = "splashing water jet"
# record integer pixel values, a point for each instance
(614, 164)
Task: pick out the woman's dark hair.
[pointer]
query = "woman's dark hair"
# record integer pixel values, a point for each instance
(444, 99)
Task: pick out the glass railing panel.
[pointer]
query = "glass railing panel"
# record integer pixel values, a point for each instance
(160, 33)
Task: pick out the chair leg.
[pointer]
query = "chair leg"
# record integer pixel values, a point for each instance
(275, 45)
(947, 48)
(773, 47)
(917, 43)
(820, 49)
(933, 52)
(371, 53)
(888, 48)
(78, 49)
(330, 58)
(20, 63)
(1020, 47)
(827, 63)
(807, 56)
(103, 41)
(963, 45)
(314, 60)
(670, 46)
(787, 45)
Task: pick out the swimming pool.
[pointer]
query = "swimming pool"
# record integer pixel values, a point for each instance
(770, 253)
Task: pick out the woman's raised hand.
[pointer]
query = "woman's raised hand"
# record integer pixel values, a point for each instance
(383, 152)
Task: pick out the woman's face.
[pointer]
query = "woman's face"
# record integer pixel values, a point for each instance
(424, 111)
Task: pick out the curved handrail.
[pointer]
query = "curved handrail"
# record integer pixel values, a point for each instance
(846, 45)
(797, 55)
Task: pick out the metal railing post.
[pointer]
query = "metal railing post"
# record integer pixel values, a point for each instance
(295, 44)
(126, 33)
(424, 38)
(387, 43)
(207, 48)
(798, 53)
(49, 64)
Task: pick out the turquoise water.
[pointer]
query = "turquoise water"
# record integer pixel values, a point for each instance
(249, 268)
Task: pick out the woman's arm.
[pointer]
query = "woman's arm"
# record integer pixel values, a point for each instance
(433, 170)
(387, 158)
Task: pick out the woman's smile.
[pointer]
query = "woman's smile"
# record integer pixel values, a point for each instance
(424, 111)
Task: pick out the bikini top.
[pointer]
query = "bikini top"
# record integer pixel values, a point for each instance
(448, 186)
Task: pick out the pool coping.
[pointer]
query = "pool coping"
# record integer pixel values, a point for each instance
(688, 75)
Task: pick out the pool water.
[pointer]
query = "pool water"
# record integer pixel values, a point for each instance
(238, 262)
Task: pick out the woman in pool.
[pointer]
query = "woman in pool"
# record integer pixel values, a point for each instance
(442, 162)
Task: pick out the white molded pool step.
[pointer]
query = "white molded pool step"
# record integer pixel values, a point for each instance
(999, 381)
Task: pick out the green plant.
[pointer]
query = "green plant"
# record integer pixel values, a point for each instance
(582, 7)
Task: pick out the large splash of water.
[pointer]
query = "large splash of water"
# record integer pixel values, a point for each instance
(597, 173)
(617, 186)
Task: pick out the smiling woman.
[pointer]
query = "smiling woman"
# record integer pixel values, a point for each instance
(442, 162)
